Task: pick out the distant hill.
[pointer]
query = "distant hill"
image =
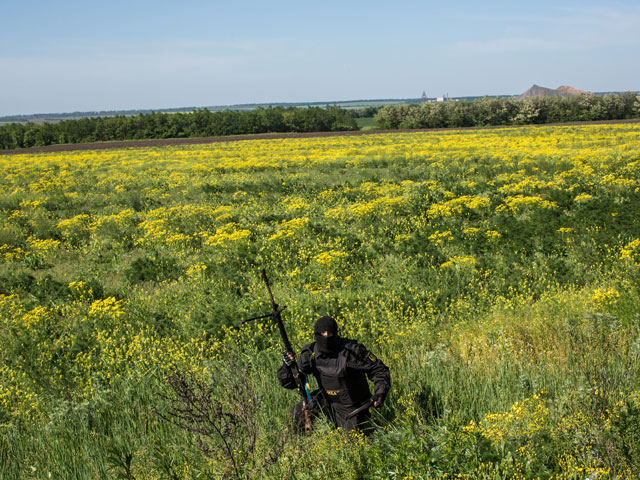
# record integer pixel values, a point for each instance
(572, 91)
(563, 91)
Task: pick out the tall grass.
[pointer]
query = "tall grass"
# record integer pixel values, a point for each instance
(495, 272)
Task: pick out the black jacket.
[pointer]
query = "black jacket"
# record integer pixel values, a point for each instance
(342, 375)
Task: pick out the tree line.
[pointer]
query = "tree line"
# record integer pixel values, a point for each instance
(488, 111)
(200, 123)
(485, 111)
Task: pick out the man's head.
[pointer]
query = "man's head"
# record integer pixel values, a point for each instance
(326, 334)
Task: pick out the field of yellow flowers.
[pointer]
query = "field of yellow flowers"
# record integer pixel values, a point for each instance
(496, 272)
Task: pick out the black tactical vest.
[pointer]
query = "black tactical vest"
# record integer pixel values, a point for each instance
(343, 385)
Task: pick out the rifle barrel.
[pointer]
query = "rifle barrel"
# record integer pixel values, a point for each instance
(359, 409)
(276, 314)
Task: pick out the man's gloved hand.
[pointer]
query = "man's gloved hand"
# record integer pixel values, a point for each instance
(288, 358)
(378, 399)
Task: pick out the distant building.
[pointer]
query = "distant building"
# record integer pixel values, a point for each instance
(424, 96)
(444, 98)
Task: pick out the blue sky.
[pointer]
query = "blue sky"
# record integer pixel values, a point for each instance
(69, 56)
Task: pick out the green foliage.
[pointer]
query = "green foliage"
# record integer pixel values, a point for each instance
(509, 111)
(201, 123)
(153, 268)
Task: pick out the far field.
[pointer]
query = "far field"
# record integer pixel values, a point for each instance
(366, 123)
(495, 271)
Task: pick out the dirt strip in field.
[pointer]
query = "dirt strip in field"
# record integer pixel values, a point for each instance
(264, 136)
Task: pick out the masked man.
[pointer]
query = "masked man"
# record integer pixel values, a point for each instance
(341, 368)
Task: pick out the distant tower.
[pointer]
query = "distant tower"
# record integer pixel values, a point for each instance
(424, 96)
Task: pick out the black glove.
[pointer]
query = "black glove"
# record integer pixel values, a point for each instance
(378, 399)
(286, 359)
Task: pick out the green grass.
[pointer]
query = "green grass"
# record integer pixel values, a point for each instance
(366, 123)
(496, 272)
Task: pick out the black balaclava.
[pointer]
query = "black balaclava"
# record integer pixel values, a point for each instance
(329, 343)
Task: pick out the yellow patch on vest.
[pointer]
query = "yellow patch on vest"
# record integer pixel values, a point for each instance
(372, 357)
(333, 393)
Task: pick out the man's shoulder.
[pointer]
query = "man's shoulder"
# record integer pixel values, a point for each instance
(307, 347)
(355, 347)
(306, 357)
(359, 351)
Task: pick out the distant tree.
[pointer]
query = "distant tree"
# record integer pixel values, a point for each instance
(367, 112)
(6, 142)
(613, 107)
(339, 119)
(636, 107)
(390, 116)
(270, 119)
(460, 114)
(12, 136)
(528, 112)
(437, 115)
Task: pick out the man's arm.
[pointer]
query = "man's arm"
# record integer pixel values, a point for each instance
(381, 377)
(304, 366)
(375, 369)
(285, 377)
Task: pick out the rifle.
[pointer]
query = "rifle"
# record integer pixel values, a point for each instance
(361, 408)
(299, 377)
